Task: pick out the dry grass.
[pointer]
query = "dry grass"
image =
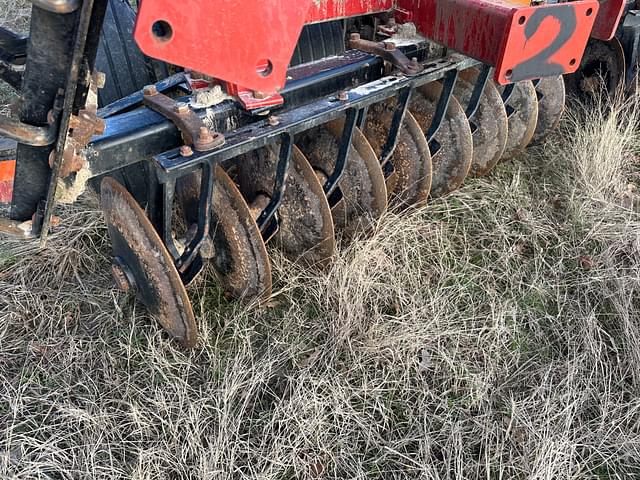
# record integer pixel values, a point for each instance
(493, 334)
(14, 14)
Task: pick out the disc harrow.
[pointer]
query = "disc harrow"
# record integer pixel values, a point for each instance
(299, 143)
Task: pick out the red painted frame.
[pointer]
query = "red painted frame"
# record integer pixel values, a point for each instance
(231, 39)
(515, 38)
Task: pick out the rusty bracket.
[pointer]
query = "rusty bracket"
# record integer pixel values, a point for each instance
(16, 229)
(30, 134)
(193, 129)
(82, 127)
(57, 6)
(388, 52)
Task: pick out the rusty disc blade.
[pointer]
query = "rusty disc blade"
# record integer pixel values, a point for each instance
(551, 101)
(489, 124)
(364, 193)
(305, 225)
(410, 182)
(240, 257)
(452, 144)
(522, 110)
(149, 268)
(602, 69)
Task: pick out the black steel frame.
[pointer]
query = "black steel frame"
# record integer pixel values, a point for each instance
(311, 97)
(171, 165)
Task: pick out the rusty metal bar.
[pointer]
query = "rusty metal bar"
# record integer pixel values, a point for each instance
(69, 100)
(28, 134)
(57, 6)
(15, 228)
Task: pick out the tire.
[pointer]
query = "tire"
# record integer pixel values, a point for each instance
(126, 68)
(127, 71)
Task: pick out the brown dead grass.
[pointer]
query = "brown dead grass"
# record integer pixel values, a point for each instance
(492, 334)
(14, 15)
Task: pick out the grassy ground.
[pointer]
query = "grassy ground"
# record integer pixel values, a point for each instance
(493, 334)
(14, 14)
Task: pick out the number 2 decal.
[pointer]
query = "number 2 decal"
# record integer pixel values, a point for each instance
(540, 64)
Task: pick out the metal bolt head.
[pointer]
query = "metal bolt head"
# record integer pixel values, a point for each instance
(181, 108)
(186, 151)
(207, 250)
(343, 96)
(260, 95)
(100, 79)
(205, 134)
(99, 127)
(74, 121)
(150, 90)
(274, 121)
(120, 277)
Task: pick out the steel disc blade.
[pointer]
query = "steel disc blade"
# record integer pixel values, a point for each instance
(602, 68)
(306, 231)
(410, 182)
(489, 124)
(240, 257)
(551, 101)
(139, 250)
(522, 110)
(364, 193)
(452, 146)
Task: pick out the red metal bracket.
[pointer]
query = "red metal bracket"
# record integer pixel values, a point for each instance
(522, 42)
(608, 19)
(251, 100)
(226, 39)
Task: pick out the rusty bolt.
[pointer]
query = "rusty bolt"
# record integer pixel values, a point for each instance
(343, 96)
(260, 95)
(123, 277)
(100, 79)
(186, 151)
(150, 90)
(51, 118)
(120, 277)
(207, 249)
(181, 108)
(389, 46)
(205, 135)
(74, 122)
(274, 121)
(354, 37)
(99, 127)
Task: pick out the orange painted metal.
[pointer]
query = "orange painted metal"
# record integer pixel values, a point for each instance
(7, 173)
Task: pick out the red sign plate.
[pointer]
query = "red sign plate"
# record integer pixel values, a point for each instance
(521, 42)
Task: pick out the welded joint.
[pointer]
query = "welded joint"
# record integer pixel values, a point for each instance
(57, 6)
